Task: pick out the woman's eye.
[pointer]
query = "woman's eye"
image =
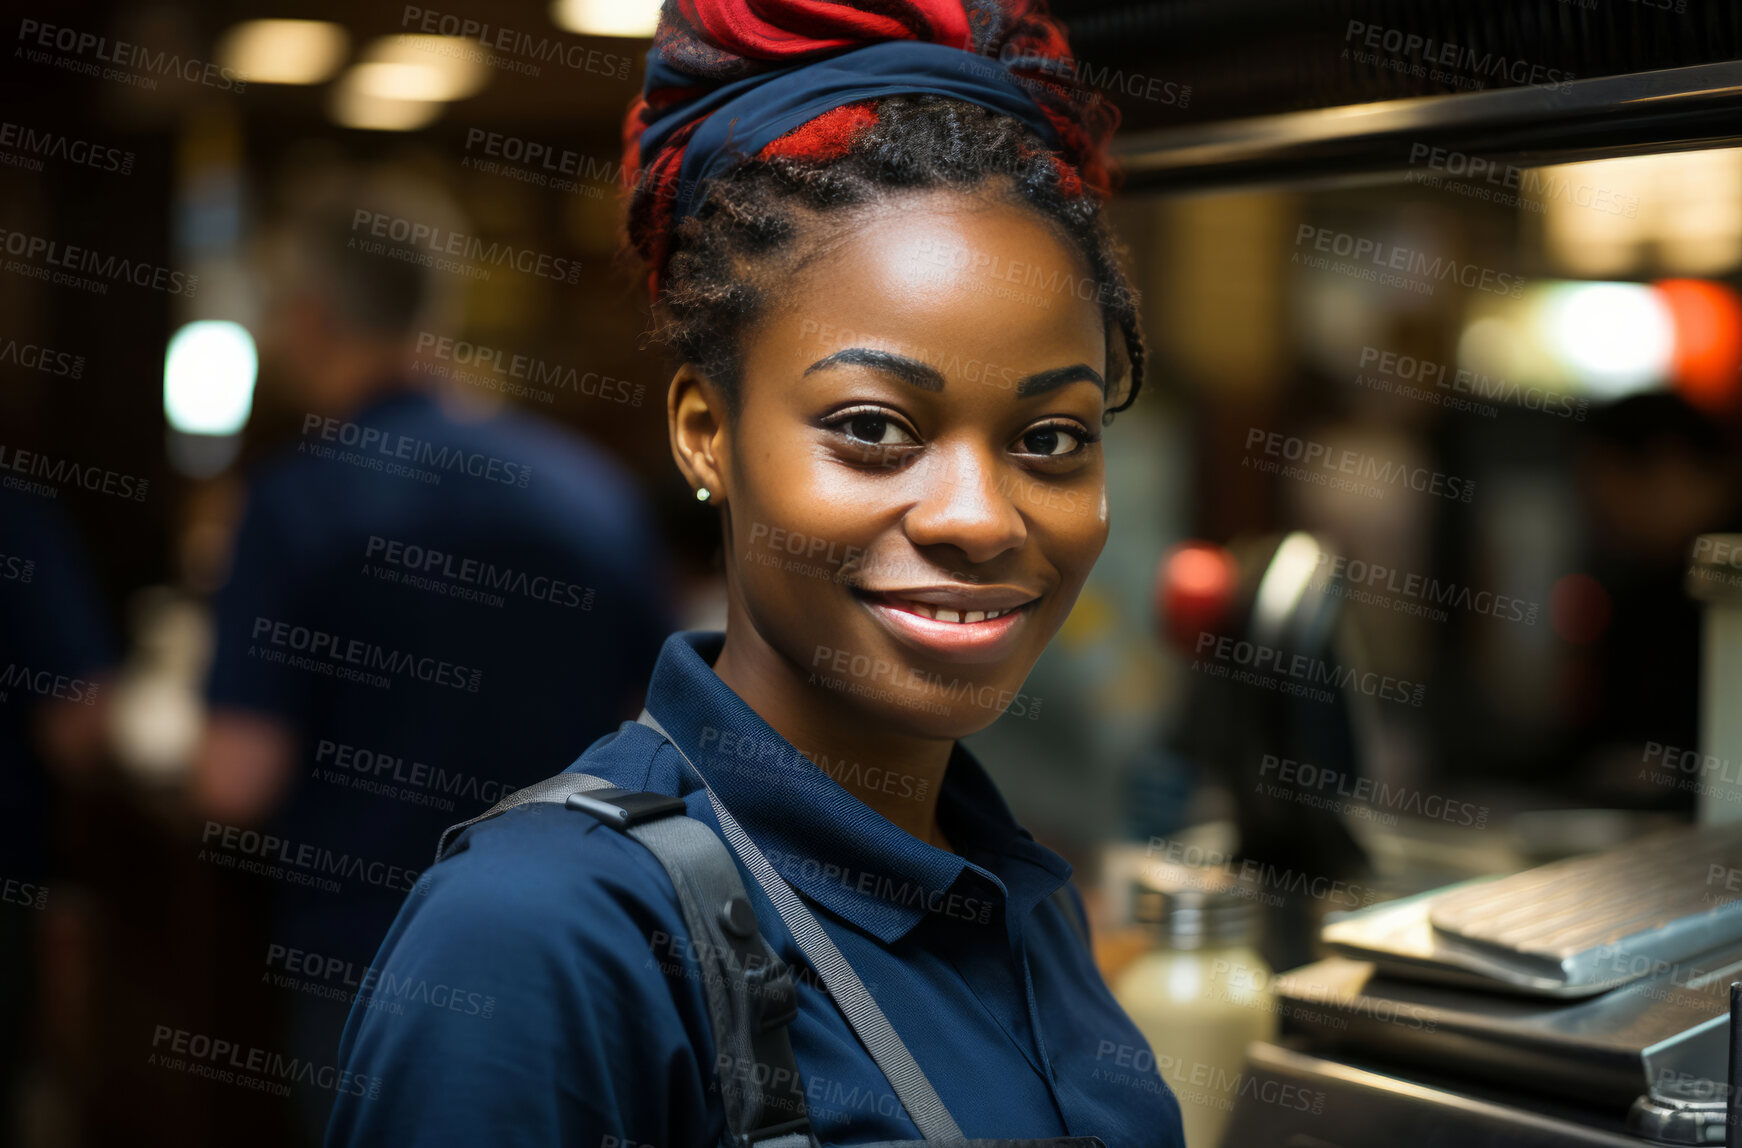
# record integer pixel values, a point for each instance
(1053, 441)
(875, 430)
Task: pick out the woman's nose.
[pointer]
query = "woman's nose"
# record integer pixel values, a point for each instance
(966, 501)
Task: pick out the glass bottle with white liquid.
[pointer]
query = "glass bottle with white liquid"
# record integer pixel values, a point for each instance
(1201, 994)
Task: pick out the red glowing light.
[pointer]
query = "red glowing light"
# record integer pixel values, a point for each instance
(1708, 341)
(1194, 587)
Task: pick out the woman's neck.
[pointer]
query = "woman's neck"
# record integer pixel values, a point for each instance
(896, 774)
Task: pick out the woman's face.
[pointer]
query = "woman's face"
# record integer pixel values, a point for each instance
(915, 486)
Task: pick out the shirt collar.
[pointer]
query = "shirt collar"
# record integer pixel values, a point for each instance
(832, 847)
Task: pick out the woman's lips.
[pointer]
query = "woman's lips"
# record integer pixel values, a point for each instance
(929, 626)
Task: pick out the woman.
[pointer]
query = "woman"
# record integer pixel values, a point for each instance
(873, 238)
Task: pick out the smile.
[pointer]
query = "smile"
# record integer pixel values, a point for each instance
(963, 626)
(944, 613)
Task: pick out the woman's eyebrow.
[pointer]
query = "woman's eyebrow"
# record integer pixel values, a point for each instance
(927, 378)
(1057, 377)
(908, 370)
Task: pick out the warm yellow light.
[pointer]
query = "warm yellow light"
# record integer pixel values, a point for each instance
(1699, 231)
(355, 108)
(1677, 213)
(418, 67)
(400, 82)
(606, 17)
(283, 51)
(1599, 213)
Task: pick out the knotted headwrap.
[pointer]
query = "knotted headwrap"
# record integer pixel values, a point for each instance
(728, 80)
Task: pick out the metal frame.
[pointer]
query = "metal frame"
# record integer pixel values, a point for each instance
(1673, 109)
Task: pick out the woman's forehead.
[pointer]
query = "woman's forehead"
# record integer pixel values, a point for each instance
(948, 277)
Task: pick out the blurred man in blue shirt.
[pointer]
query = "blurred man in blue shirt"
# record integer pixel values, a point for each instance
(428, 606)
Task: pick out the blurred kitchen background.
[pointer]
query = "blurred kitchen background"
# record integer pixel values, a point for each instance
(1516, 279)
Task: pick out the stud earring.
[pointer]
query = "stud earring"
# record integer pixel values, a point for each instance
(703, 494)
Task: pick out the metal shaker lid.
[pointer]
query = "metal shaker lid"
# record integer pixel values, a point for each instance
(1195, 907)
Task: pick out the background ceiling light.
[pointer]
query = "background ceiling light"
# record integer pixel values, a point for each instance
(1618, 337)
(606, 17)
(208, 377)
(283, 51)
(353, 108)
(421, 67)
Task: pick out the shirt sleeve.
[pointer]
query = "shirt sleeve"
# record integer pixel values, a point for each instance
(52, 617)
(260, 591)
(533, 991)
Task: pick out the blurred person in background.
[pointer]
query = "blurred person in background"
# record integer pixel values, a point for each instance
(1655, 473)
(56, 652)
(428, 605)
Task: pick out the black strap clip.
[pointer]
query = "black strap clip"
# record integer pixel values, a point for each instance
(621, 808)
(773, 993)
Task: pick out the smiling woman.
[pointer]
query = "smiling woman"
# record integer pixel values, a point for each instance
(900, 326)
(957, 499)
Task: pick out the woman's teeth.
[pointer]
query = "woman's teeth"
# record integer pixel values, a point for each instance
(944, 614)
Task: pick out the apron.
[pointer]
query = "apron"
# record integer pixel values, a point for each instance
(936, 1125)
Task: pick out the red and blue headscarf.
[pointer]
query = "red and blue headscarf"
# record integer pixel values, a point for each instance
(732, 79)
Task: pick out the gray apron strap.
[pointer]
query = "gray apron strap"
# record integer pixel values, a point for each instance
(750, 993)
(556, 789)
(843, 984)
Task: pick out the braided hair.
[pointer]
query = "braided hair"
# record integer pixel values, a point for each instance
(713, 273)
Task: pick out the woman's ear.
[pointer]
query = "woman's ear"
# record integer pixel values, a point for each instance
(695, 413)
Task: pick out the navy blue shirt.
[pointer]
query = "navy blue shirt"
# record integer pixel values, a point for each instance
(536, 988)
(54, 639)
(441, 610)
